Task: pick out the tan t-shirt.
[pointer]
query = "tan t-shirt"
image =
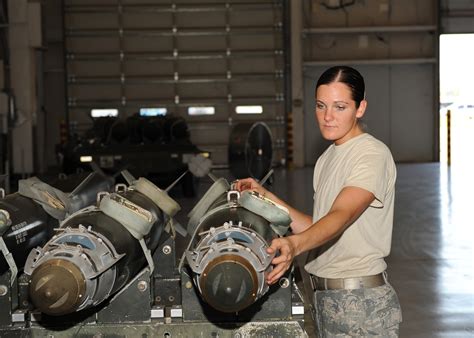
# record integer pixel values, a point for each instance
(362, 162)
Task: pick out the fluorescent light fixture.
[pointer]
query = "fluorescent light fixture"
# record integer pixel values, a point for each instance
(153, 111)
(249, 109)
(201, 111)
(104, 112)
(85, 159)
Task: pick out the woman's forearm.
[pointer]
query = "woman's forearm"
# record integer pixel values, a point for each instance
(348, 206)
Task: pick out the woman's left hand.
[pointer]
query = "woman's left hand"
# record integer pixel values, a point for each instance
(286, 248)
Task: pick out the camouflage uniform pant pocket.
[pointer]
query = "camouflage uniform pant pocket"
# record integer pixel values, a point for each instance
(357, 313)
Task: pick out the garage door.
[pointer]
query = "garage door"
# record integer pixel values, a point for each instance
(216, 64)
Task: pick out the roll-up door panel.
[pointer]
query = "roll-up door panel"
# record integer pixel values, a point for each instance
(128, 55)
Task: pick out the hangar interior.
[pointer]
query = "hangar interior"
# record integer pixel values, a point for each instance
(82, 74)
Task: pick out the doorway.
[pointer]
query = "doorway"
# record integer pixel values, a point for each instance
(456, 100)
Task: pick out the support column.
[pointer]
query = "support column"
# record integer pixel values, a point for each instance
(297, 114)
(23, 36)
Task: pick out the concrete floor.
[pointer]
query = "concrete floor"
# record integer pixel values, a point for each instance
(432, 260)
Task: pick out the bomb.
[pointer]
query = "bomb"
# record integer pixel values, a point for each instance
(227, 253)
(28, 217)
(99, 249)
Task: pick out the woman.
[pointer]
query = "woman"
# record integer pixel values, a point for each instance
(351, 228)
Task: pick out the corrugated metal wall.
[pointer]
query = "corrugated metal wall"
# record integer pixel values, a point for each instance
(457, 16)
(402, 92)
(395, 46)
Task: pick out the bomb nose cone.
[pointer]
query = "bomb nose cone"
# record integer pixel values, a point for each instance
(229, 283)
(57, 287)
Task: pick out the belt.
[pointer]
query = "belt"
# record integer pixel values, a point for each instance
(319, 283)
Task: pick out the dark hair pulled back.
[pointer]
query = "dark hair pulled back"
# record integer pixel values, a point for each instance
(347, 75)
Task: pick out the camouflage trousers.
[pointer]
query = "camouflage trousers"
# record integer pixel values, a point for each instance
(357, 313)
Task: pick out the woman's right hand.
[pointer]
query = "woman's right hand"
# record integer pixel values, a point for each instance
(249, 184)
(300, 221)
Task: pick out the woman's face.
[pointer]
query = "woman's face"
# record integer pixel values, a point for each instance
(336, 112)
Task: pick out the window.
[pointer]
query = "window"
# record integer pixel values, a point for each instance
(195, 111)
(153, 111)
(249, 109)
(86, 159)
(104, 112)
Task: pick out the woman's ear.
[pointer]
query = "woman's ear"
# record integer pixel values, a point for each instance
(361, 110)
